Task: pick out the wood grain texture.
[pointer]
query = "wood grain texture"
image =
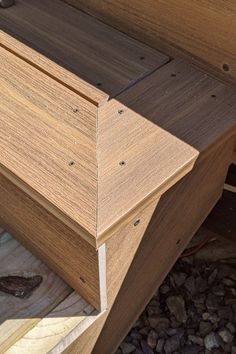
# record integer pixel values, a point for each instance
(167, 119)
(17, 316)
(163, 241)
(205, 30)
(173, 224)
(58, 329)
(47, 237)
(40, 136)
(121, 250)
(90, 57)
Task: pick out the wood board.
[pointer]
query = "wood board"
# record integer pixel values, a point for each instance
(90, 57)
(50, 318)
(203, 32)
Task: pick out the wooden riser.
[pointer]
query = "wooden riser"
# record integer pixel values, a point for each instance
(50, 318)
(91, 139)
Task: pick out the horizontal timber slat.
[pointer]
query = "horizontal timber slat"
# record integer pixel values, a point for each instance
(84, 54)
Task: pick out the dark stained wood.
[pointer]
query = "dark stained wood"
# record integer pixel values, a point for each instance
(94, 59)
(202, 31)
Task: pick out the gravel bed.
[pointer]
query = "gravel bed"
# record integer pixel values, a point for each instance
(193, 312)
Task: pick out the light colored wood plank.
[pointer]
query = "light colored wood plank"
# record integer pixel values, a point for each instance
(47, 237)
(76, 49)
(205, 29)
(166, 120)
(55, 332)
(17, 316)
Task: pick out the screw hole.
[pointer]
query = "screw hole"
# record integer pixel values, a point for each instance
(137, 222)
(76, 110)
(82, 279)
(213, 96)
(71, 163)
(173, 75)
(99, 84)
(225, 67)
(122, 163)
(121, 111)
(178, 242)
(142, 58)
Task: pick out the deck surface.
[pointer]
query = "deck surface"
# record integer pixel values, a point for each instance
(48, 317)
(83, 53)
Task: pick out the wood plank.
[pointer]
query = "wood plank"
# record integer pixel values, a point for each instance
(121, 250)
(55, 332)
(205, 30)
(72, 258)
(17, 316)
(40, 136)
(164, 240)
(166, 120)
(93, 59)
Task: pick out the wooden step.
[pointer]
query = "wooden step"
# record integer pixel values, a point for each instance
(46, 319)
(84, 54)
(78, 161)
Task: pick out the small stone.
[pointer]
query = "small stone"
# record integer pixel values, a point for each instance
(164, 289)
(144, 331)
(159, 322)
(233, 350)
(205, 328)
(228, 282)
(172, 344)
(175, 331)
(212, 302)
(138, 351)
(211, 341)
(225, 313)
(178, 279)
(176, 306)
(195, 340)
(160, 345)
(201, 284)
(212, 277)
(218, 290)
(127, 348)
(190, 349)
(145, 347)
(152, 339)
(190, 285)
(226, 335)
(231, 327)
(174, 322)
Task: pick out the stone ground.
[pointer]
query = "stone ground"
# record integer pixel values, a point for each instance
(194, 311)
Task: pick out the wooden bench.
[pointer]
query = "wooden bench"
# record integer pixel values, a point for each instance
(112, 154)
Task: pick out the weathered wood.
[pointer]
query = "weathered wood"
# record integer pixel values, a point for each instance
(164, 239)
(58, 329)
(17, 316)
(91, 58)
(202, 31)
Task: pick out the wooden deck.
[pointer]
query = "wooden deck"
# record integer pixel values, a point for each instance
(45, 320)
(112, 154)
